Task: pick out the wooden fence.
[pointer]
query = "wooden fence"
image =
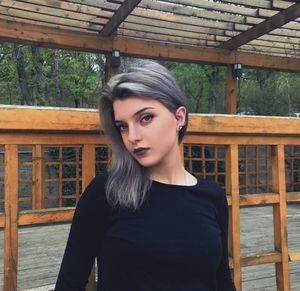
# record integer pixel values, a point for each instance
(249, 156)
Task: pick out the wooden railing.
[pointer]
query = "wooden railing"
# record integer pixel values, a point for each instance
(42, 128)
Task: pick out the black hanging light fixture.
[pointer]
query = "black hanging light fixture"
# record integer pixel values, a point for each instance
(237, 71)
(115, 59)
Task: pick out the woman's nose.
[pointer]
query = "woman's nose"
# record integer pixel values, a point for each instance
(134, 134)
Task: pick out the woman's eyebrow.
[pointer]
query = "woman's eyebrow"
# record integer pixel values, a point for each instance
(137, 113)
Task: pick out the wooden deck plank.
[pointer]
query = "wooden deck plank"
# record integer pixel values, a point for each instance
(40, 257)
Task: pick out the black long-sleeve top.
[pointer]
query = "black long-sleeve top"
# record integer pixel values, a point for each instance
(176, 241)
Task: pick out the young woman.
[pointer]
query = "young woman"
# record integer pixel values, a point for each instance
(151, 224)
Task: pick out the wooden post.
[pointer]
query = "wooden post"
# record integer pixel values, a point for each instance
(11, 218)
(232, 188)
(231, 92)
(110, 71)
(280, 218)
(88, 173)
(37, 190)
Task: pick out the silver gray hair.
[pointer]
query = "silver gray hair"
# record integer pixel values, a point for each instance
(128, 181)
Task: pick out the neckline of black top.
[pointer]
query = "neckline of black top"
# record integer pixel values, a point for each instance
(176, 185)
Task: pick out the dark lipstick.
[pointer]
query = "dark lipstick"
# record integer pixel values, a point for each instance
(140, 151)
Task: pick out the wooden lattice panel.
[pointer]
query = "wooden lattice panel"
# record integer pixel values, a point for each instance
(62, 172)
(255, 174)
(25, 176)
(207, 161)
(102, 153)
(292, 167)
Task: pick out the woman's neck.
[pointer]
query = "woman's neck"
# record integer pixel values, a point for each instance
(173, 174)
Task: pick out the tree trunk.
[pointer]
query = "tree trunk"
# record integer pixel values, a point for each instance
(36, 73)
(101, 62)
(58, 96)
(199, 99)
(26, 96)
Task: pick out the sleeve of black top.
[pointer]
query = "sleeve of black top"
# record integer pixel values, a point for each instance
(224, 281)
(88, 225)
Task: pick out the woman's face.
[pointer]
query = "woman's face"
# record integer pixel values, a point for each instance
(148, 129)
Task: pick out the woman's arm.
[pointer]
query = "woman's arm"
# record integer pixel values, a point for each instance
(88, 225)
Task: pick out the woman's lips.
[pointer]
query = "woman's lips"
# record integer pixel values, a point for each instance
(140, 151)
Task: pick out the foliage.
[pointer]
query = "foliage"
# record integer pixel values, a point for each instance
(53, 77)
(204, 86)
(80, 77)
(269, 92)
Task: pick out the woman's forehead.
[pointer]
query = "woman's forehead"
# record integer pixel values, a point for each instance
(129, 107)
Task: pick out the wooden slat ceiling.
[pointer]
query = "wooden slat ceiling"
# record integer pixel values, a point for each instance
(245, 28)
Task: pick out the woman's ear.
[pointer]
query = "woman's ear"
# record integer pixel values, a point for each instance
(180, 115)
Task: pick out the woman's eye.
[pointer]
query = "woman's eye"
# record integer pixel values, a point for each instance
(147, 118)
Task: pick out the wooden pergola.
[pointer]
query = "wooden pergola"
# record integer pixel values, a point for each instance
(258, 33)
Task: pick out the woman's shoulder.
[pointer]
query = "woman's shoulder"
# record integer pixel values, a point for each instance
(95, 190)
(216, 194)
(211, 189)
(98, 181)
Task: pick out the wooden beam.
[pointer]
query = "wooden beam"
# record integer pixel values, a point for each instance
(42, 9)
(50, 16)
(38, 177)
(88, 173)
(75, 138)
(232, 189)
(107, 5)
(163, 30)
(293, 196)
(34, 120)
(66, 39)
(2, 220)
(191, 21)
(274, 50)
(268, 258)
(264, 27)
(10, 249)
(258, 199)
(62, 27)
(54, 215)
(244, 125)
(186, 40)
(158, 50)
(75, 7)
(167, 20)
(253, 3)
(241, 28)
(280, 218)
(187, 11)
(280, 4)
(52, 37)
(255, 21)
(218, 6)
(66, 138)
(123, 11)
